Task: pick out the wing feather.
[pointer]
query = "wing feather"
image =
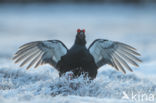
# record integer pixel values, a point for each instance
(126, 46)
(118, 63)
(40, 52)
(132, 57)
(126, 58)
(38, 63)
(124, 63)
(130, 51)
(114, 63)
(29, 44)
(22, 50)
(25, 55)
(34, 60)
(117, 54)
(26, 60)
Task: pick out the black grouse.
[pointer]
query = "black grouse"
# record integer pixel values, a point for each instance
(78, 59)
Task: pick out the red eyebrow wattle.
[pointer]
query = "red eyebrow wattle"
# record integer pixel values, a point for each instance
(78, 30)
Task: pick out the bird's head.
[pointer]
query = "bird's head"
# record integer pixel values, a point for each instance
(80, 37)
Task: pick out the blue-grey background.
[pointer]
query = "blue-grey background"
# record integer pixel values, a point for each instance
(21, 21)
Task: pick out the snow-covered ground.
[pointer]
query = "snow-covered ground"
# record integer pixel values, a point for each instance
(131, 24)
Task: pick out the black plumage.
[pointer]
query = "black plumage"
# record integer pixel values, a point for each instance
(79, 59)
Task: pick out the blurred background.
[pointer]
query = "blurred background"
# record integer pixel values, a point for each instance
(76, 1)
(129, 21)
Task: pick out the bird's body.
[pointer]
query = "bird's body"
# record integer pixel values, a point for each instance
(78, 59)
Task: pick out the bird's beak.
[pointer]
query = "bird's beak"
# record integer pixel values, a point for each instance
(81, 35)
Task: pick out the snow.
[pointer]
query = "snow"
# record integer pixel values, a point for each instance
(133, 25)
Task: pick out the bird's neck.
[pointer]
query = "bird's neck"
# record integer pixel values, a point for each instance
(80, 42)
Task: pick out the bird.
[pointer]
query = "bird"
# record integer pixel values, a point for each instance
(79, 59)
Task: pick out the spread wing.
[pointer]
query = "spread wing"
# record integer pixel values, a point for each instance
(40, 52)
(116, 54)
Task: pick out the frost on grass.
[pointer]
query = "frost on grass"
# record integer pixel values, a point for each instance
(108, 84)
